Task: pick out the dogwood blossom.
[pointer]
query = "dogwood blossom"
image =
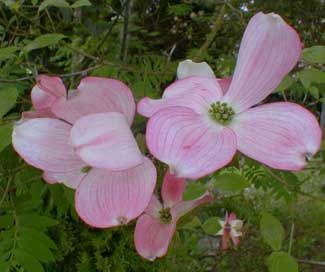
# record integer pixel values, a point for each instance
(155, 228)
(198, 125)
(86, 143)
(230, 229)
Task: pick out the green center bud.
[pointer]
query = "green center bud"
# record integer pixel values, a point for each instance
(165, 215)
(221, 113)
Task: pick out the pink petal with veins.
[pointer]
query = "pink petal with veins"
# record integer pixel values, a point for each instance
(105, 140)
(111, 198)
(44, 143)
(172, 189)
(269, 50)
(190, 145)
(196, 93)
(97, 95)
(152, 237)
(279, 135)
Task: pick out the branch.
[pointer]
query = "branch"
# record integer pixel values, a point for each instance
(211, 35)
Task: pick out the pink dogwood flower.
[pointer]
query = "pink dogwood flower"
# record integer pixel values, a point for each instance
(196, 128)
(230, 229)
(155, 228)
(88, 145)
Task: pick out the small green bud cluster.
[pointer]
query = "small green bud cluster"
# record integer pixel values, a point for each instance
(221, 112)
(165, 215)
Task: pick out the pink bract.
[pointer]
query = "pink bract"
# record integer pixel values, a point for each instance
(47, 90)
(86, 143)
(185, 131)
(155, 228)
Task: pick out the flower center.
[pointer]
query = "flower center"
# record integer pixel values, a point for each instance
(222, 113)
(165, 215)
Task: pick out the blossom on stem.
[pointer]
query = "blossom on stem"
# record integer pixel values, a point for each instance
(86, 143)
(230, 229)
(196, 127)
(155, 228)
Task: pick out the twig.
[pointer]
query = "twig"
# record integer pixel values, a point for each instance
(212, 34)
(85, 71)
(312, 262)
(125, 34)
(5, 192)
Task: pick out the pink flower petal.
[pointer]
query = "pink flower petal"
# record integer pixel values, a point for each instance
(47, 90)
(172, 189)
(185, 207)
(105, 140)
(189, 68)
(269, 50)
(279, 135)
(52, 85)
(97, 95)
(225, 83)
(189, 144)
(110, 198)
(152, 238)
(43, 143)
(48, 177)
(196, 93)
(71, 179)
(41, 100)
(224, 242)
(154, 207)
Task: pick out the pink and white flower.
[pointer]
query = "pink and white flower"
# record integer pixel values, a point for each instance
(230, 229)
(196, 127)
(88, 145)
(155, 228)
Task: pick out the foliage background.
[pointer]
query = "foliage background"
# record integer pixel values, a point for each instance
(141, 42)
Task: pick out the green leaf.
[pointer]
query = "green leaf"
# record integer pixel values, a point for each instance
(211, 226)
(8, 97)
(4, 266)
(272, 231)
(5, 135)
(44, 41)
(195, 222)
(28, 261)
(6, 221)
(37, 235)
(286, 82)
(37, 221)
(54, 3)
(312, 75)
(230, 182)
(314, 54)
(35, 247)
(81, 3)
(281, 262)
(5, 247)
(314, 91)
(7, 52)
(194, 190)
